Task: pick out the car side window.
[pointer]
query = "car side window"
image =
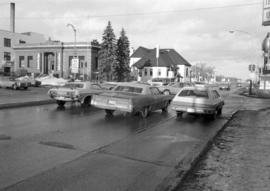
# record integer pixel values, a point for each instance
(154, 91)
(215, 94)
(95, 86)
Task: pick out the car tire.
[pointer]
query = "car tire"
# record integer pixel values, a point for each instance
(219, 112)
(179, 114)
(165, 108)
(25, 88)
(166, 92)
(87, 102)
(145, 112)
(214, 115)
(60, 103)
(109, 112)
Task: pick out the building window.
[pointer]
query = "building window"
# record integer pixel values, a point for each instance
(22, 42)
(145, 71)
(21, 60)
(7, 42)
(187, 72)
(151, 72)
(7, 56)
(159, 72)
(96, 63)
(29, 61)
(81, 61)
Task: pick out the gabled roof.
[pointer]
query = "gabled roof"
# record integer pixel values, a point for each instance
(167, 58)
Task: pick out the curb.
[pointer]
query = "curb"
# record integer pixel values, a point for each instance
(175, 178)
(26, 104)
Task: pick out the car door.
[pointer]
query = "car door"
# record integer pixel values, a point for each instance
(215, 98)
(154, 97)
(159, 98)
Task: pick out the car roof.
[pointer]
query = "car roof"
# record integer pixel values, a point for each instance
(206, 88)
(133, 84)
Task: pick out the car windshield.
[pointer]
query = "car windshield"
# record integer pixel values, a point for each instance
(129, 89)
(194, 93)
(73, 85)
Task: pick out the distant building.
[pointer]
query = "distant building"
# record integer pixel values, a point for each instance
(8, 40)
(54, 57)
(170, 64)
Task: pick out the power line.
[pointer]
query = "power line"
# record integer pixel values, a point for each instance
(147, 13)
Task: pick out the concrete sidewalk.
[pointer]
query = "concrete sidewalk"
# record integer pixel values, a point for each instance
(20, 98)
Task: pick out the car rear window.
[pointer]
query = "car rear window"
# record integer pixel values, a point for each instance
(73, 86)
(129, 89)
(193, 93)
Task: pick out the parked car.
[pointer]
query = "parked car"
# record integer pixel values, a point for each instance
(30, 80)
(239, 85)
(108, 85)
(12, 82)
(174, 87)
(225, 86)
(198, 100)
(132, 98)
(159, 81)
(200, 84)
(75, 92)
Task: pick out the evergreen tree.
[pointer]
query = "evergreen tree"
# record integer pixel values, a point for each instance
(107, 54)
(121, 69)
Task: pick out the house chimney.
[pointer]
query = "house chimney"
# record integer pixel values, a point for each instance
(12, 17)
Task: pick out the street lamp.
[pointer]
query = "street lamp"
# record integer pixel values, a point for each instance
(75, 42)
(240, 31)
(246, 33)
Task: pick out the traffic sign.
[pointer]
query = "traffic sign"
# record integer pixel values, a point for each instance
(75, 65)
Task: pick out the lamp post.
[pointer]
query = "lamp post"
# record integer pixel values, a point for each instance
(75, 41)
(246, 33)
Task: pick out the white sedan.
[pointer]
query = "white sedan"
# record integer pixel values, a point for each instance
(198, 100)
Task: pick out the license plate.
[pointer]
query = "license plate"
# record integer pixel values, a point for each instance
(191, 110)
(111, 102)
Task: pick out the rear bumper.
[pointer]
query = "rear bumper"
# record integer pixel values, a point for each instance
(199, 110)
(124, 108)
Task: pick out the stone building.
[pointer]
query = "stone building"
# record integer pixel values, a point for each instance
(55, 57)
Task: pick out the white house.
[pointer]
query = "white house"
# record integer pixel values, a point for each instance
(168, 65)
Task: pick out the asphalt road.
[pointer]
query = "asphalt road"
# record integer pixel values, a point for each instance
(46, 148)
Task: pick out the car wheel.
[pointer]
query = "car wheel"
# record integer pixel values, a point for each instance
(87, 102)
(109, 112)
(60, 103)
(179, 114)
(214, 115)
(25, 88)
(165, 108)
(166, 92)
(145, 112)
(219, 111)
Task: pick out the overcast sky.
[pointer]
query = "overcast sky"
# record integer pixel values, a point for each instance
(197, 29)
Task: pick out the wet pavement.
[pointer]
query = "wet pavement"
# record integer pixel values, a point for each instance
(80, 149)
(74, 148)
(239, 159)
